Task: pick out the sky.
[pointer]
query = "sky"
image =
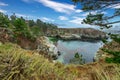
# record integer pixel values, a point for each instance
(63, 13)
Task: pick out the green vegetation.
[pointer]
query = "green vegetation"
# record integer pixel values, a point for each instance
(77, 59)
(104, 41)
(25, 28)
(115, 37)
(77, 55)
(115, 58)
(53, 39)
(4, 21)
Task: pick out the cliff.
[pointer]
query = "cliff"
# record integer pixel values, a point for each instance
(77, 33)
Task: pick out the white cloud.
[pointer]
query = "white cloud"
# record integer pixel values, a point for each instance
(59, 7)
(78, 11)
(76, 20)
(116, 6)
(3, 4)
(45, 19)
(62, 18)
(3, 11)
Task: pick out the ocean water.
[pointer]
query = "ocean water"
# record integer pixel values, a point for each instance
(69, 48)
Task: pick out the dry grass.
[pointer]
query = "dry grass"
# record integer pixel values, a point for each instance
(20, 64)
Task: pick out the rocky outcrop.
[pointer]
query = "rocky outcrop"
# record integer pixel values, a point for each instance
(78, 34)
(46, 46)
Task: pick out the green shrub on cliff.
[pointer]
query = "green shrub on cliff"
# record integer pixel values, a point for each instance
(115, 58)
(53, 39)
(115, 37)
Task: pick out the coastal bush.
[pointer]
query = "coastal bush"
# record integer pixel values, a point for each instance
(104, 41)
(4, 21)
(115, 58)
(115, 37)
(53, 39)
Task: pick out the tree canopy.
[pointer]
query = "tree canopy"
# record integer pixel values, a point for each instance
(99, 7)
(26, 28)
(4, 21)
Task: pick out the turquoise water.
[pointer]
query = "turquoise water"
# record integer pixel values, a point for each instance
(69, 48)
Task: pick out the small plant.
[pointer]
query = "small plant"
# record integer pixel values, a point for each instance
(53, 39)
(104, 41)
(77, 59)
(77, 55)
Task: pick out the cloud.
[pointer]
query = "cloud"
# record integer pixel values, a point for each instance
(76, 20)
(3, 4)
(115, 6)
(3, 11)
(59, 7)
(62, 18)
(45, 19)
(78, 11)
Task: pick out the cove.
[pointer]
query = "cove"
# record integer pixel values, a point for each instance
(69, 48)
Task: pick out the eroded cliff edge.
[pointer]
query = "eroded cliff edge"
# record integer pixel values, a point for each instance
(77, 34)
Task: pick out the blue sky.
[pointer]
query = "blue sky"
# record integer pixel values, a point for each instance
(60, 12)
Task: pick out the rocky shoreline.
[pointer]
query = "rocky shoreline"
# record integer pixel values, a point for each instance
(85, 34)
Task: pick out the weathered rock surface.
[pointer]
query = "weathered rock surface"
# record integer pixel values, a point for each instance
(45, 45)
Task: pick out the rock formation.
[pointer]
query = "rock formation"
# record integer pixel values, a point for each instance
(77, 34)
(46, 46)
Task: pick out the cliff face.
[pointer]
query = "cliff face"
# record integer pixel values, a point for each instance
(77, 33)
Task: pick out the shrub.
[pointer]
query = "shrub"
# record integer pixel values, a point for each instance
(116, 37)
(115, 58)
